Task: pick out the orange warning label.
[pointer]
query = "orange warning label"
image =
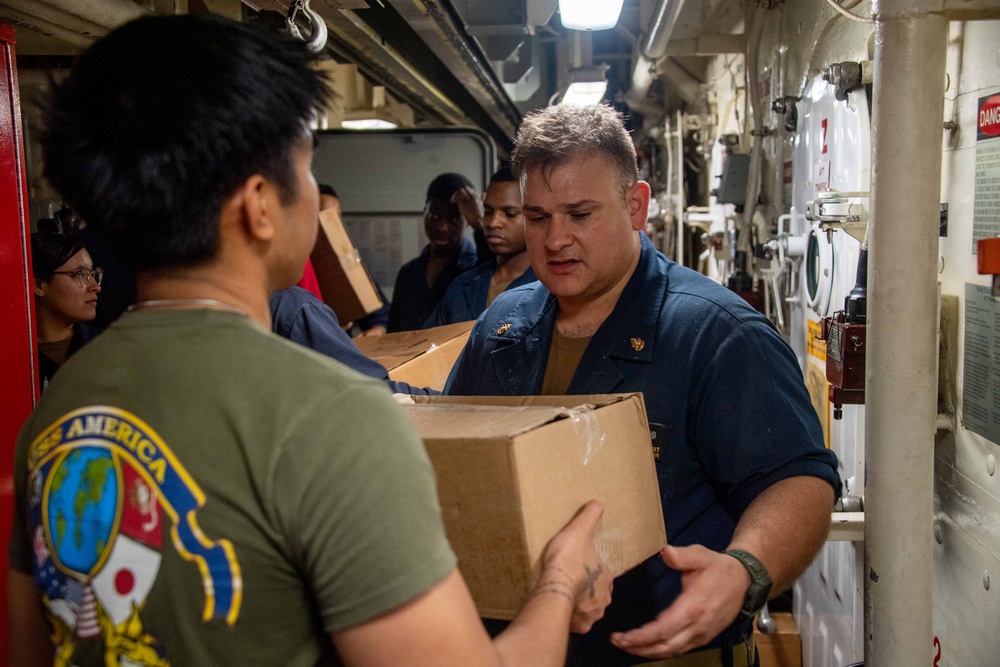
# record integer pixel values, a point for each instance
(815, 345)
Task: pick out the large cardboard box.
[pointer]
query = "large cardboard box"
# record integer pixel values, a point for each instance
(512, 471)
(422, 358)
(781, 648)
(343, 278)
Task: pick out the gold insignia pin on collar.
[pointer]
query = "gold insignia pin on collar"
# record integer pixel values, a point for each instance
(638, 344)
(503, 329)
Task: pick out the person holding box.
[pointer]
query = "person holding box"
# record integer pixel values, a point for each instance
(193, 489)
(747, 486)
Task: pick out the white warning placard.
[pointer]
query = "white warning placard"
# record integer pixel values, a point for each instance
(981, 376)
(986, 211)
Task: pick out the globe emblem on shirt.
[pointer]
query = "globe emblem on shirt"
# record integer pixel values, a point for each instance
(82, 507)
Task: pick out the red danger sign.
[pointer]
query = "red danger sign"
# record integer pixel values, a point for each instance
(988, 119)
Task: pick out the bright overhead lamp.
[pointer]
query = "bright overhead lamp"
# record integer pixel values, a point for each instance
(589, 14)
(587, 86)
(585, 93)
(368, 124)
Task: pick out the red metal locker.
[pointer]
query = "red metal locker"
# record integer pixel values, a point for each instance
(17, 364)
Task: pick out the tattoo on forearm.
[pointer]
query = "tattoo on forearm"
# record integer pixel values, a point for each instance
(592, 577)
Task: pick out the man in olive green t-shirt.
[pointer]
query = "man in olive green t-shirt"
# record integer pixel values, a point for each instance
(193, 490)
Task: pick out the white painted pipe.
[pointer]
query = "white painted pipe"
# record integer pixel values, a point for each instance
(107, 13)
(901, 392)
(25, 21)
(679, 175)
(57, 17)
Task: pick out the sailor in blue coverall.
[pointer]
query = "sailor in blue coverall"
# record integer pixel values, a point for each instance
(503, 231)
(738, 447)
(421, 282)
(296, 314)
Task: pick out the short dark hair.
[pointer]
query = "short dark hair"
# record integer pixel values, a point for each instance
(50, 250)
(327, 190)
(553, 136)
(160, 122)
(445, 185)
(503, 175)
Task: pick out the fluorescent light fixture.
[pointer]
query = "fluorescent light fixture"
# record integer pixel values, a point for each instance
(587, 86)
(585, 93)
(368, 124)
(590, 14)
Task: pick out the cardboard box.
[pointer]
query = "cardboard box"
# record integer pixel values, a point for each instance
(343, 278)
(512, 471)
(781, 648)
(422, 358)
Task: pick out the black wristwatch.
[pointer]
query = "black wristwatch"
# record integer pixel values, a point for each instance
(760, 582)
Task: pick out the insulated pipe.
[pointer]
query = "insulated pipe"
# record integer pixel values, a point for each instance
(679, 174)
(902, 357)
(652, 48)
(107, 13)
(24, 21)
(664, 19)
(57, 17)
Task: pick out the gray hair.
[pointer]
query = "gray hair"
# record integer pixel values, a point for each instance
(553, 136)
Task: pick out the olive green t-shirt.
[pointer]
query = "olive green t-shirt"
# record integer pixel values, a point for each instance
(496, 289)
(194, 490)
(565, 354)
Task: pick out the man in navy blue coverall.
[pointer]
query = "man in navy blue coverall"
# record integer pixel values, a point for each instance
(503, 230)
(738, 448)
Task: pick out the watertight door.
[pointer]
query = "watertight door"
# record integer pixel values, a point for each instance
(17, 367)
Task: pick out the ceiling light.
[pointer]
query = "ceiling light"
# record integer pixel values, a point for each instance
(587, 86)
(585, 93)
(589, 14)
(368, 124)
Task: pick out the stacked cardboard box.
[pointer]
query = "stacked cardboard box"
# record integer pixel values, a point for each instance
(343, 278)
(421, 358)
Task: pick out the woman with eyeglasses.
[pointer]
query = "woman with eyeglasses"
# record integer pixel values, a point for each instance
(66, 287)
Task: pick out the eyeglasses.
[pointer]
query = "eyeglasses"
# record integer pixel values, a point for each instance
(83, 275)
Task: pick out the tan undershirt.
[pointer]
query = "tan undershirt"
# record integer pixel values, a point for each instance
(56, 350)
(565, 354)
(496, 289)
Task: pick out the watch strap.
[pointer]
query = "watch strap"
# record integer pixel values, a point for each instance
(760, 581)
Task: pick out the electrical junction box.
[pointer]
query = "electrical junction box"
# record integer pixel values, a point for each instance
(735, 173)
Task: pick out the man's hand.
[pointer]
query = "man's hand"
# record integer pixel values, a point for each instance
(470, 205)
(713, 587)
(572, 568)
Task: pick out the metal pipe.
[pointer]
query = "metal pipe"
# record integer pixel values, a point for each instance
(23, 21)
(654, 46)
(679, 171)
(57, 17)
(107, 13)
(651, 49)
(902, 359)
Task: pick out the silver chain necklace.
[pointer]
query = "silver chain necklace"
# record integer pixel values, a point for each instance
(157, 303)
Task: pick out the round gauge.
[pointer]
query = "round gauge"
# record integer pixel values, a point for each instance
(819, 271)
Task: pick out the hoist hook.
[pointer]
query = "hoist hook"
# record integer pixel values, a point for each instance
(317, 40)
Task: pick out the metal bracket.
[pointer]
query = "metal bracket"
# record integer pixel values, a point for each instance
(847, 527)
(840, 210)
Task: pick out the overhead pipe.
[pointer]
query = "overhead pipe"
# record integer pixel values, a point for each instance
(57, 17)
(651, 49)
(902, 358)
(107, 13)
(25, 21)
